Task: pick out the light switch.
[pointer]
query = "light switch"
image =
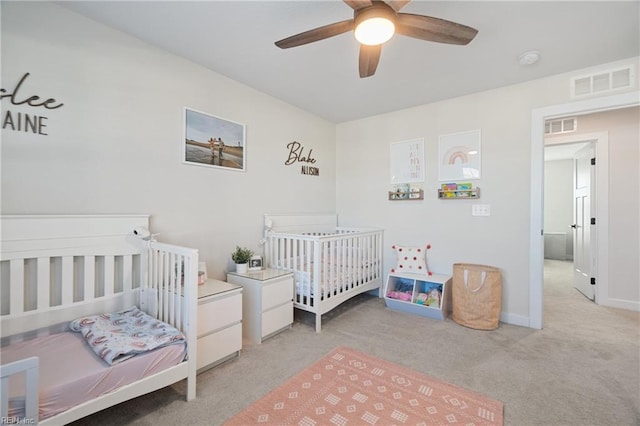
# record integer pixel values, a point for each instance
(480, 210)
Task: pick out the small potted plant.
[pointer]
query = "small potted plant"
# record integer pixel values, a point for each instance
(241, 257)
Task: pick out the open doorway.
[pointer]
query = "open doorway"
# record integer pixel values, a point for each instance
(539, 117)
(570, 204)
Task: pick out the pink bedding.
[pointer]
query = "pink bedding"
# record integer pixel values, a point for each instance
(71, 373)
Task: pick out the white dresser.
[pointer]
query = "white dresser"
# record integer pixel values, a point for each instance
(219, 322)
(267, 302)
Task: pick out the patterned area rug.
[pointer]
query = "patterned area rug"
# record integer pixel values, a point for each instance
(347, 387)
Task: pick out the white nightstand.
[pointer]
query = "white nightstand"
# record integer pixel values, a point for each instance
(267, 302)
(219, 322)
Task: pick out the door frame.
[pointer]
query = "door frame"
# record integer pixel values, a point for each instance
(536, 228)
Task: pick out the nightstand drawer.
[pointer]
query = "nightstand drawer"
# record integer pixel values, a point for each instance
(277, 318)
(217, 313)
(267, 302)
(216, 346)
(277, 292)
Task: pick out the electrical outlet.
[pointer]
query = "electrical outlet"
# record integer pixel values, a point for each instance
(480, 210)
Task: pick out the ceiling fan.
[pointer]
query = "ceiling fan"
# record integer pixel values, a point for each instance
(374, 22)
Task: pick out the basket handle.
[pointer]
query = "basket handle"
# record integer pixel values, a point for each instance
(466, 280)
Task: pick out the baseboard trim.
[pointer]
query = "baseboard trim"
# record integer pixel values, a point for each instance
(630, 305)
(514, 319)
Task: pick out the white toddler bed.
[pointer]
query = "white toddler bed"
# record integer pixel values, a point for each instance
(54, 269)
(331, 264)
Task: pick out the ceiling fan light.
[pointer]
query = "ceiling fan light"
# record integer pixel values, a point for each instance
(374, 31)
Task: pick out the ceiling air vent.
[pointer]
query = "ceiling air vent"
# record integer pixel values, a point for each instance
(560, 125)
(603, 82)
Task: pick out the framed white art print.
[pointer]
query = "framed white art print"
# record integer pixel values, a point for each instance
(459, 156)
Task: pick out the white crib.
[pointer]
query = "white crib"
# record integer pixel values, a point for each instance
(54, 269)
(330, 264)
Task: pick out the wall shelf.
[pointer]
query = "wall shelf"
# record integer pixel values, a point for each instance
(406, 196)
(459, 194)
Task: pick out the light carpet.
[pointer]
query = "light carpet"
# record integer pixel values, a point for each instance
(347, 387)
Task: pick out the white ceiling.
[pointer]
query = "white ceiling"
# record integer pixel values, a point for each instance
(236, 39)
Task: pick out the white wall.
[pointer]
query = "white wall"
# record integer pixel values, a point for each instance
(558, 209)
(115, 145)
(502, 239)
(558, 191)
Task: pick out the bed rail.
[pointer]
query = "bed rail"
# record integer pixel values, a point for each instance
(54, 269)
(329, 267)
(172, 277)
(50, 289)
(328, 255)
(28, 367)
(52, 277)
(169, 292)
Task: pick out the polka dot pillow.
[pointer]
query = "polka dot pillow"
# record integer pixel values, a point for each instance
(411, 260)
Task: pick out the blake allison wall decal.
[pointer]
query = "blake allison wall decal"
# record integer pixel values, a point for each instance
(297, 155)
(25, 122)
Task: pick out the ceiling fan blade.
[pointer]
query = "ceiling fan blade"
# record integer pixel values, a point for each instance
(316, 34)
(358, 4)
(434, 29)
(369, 58)
(397, 4)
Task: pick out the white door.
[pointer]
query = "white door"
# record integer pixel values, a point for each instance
(584, 204)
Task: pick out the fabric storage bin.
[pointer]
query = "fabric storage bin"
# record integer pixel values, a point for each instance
(477, 296)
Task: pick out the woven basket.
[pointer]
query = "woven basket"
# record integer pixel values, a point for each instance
(476, 296)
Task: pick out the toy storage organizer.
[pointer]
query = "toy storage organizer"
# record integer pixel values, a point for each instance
(425, 295)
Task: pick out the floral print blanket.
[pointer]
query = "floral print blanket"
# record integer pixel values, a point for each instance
(118, 336)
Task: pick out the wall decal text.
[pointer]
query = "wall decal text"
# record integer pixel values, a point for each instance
(297, 155)
(23, 122)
